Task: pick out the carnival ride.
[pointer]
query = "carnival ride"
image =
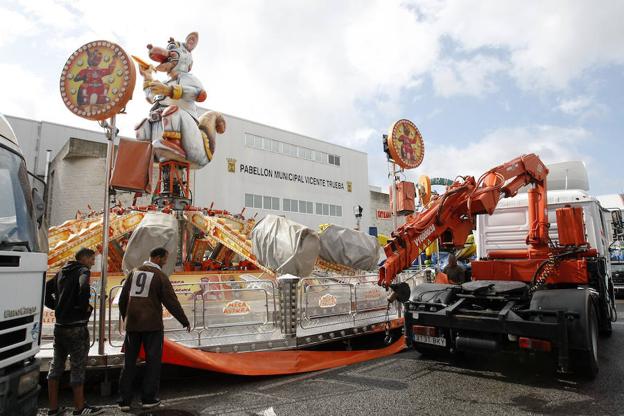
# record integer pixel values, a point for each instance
(234, 302)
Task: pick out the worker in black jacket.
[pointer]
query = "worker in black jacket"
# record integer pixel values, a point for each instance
(146, 289)
(68, 294)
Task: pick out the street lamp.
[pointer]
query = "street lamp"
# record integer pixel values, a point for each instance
(357, 211)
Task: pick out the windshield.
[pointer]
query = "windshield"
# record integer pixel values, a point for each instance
(18, 228)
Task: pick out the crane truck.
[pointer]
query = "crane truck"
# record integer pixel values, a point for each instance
(554, 295)
(23, 263)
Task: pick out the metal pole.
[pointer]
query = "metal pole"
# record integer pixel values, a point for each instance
(395, 198)
(47, 166)
(110, 145)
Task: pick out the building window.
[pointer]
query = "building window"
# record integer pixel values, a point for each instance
(325, 209)
(288, 149)
(305, 153)
(271, 202)
(334, 160)
(320, 157)
(249, 200)
(338, 211)
(319, 208)
(257, 201)
(294, 205)
(332, 210)
(249, 140)
(275, 146)
(263, 201)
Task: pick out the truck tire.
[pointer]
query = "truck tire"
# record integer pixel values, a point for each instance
(586, 362)
(607, 329)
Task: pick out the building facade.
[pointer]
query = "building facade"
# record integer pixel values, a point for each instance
(380, 211)
(261, 169)
(272, 171)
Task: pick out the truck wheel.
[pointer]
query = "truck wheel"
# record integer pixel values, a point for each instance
(607, 329)
(586, 362)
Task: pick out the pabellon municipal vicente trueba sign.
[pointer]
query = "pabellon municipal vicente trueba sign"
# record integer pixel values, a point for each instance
(290, 176)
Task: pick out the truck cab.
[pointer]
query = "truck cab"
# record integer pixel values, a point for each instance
(507, 227)
(23, 263)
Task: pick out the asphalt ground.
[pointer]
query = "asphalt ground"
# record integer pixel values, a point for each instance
(403, 384)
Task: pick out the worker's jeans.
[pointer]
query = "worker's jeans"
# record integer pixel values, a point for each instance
(153, 345)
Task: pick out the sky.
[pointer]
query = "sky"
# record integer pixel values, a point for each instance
(484, 81)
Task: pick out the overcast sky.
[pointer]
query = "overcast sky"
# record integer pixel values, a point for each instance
(484, 81)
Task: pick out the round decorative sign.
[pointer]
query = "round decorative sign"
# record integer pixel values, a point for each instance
(97, 80)
(405, 144)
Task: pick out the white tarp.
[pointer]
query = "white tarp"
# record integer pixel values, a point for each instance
(285, 246)
(157, 229)
(349, 247)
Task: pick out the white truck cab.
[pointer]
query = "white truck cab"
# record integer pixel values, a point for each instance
(23, 263)
(507, 228)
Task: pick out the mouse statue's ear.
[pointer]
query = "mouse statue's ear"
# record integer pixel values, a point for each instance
(191, 41)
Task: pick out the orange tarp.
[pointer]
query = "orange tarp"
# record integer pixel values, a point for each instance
(270, 362)
(442, 278)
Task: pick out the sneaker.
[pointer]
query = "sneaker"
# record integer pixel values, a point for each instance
(88, 410)
(57, 412)
(124, 406)
(148, 404)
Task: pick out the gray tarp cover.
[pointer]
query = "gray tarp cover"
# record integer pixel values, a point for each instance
(155, 230)
(349, 247)
(285, 246)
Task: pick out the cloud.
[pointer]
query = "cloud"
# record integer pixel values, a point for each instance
(551, 143)
(15, 26)
(51, 14)
(27, 98)
(326, 69)
(583, 107)
(302, 67)
(575, 106)
(548, 44)
(467, 76)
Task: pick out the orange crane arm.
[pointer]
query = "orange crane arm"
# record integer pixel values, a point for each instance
(450, 217)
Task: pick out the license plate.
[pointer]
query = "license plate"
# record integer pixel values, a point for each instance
(439, 341)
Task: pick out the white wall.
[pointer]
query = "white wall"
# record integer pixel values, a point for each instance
(227, 190)
(35, 137)
(214, 183)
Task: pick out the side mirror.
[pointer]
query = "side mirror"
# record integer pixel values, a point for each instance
(38, 205)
